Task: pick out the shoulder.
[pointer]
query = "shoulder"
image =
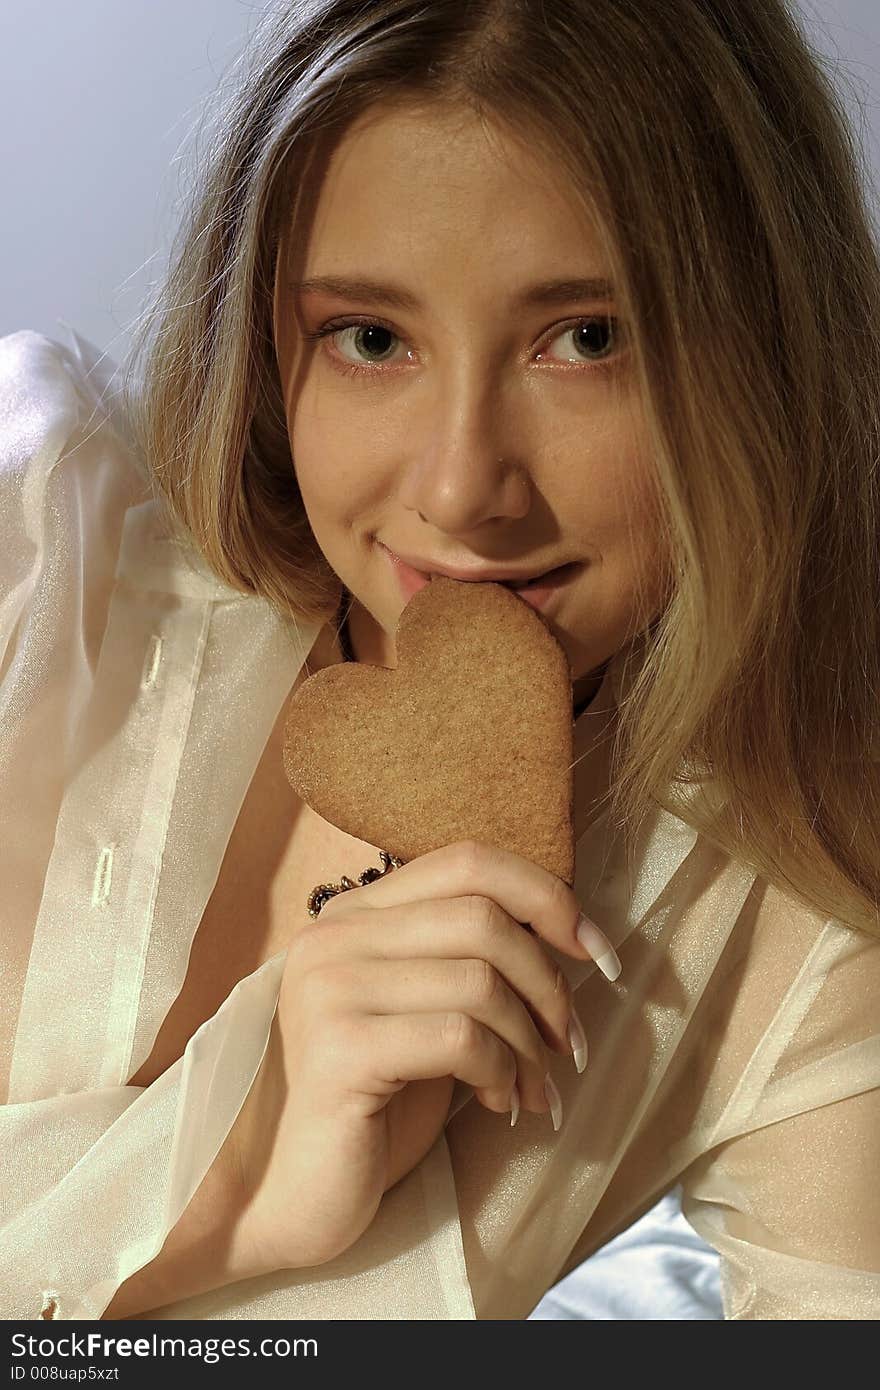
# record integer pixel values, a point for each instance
(44, 380)
(28, 356)
(793, 992)
(68, 475)
(49, 392)
(60, 405)
(41, 404)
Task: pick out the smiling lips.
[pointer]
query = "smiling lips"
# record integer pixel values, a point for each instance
(536, 591)
(469, 574)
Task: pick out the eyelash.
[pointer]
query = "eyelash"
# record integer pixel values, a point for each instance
(327, 330)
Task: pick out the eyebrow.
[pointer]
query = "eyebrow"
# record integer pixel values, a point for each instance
(373, 292)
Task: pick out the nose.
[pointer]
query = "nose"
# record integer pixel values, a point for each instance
(464, 468)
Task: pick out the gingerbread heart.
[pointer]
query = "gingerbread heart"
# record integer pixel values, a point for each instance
(470, 737)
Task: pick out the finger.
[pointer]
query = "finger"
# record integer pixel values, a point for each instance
(527, 892)
(455, 929)
(398, 1048)
(434, 986)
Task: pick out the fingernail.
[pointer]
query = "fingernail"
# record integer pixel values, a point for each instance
(554, 1100)
(514, 1107)
(577, 1041)
(597, 945)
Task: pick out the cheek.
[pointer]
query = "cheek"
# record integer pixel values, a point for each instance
(332, 466)
(642, 563)
(624, 528)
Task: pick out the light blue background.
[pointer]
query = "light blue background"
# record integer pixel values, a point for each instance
(97, 100)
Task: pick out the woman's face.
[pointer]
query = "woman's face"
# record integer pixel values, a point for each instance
(463, 422)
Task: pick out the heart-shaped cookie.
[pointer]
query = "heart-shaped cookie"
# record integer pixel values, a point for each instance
(469, 737)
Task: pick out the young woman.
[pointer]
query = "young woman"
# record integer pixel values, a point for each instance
(501, 289)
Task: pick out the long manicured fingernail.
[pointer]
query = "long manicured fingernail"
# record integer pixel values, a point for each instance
(514, 1107)
(597, 945)
(554, 1100)
(577, 1041)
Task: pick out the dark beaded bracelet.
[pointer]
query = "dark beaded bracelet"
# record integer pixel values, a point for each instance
(323, 892)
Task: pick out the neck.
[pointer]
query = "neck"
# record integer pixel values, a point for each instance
(577, 710)
(344, 634)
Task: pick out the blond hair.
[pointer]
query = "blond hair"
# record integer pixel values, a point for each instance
(707, 140)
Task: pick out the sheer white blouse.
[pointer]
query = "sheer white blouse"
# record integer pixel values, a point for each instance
(738, 1053)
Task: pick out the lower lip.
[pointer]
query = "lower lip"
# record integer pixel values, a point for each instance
(537, 596)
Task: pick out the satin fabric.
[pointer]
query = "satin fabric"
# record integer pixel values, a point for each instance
(658, 1270)
(738, 1053)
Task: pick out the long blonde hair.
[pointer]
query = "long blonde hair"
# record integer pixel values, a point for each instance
(709, 142)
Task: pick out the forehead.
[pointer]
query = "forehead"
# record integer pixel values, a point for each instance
(411, 177)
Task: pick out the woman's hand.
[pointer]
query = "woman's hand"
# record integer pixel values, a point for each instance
(400, 987)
